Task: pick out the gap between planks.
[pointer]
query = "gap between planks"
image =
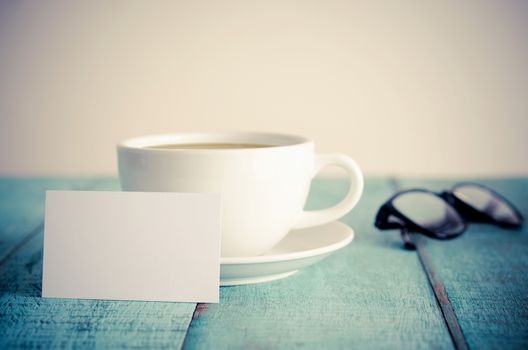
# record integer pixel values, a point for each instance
(16, 247)
(198, 310)
(28, 236)
(442, 299)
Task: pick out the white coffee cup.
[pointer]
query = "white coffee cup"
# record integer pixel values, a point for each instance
(263, 190)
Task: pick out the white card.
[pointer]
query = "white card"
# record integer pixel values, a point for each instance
(155, 246)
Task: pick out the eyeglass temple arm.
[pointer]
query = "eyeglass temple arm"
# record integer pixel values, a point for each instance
(385, 220)
(408, 239)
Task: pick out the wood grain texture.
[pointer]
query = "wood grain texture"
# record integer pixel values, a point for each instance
(29, 321)
(371, 294)
(485, 273)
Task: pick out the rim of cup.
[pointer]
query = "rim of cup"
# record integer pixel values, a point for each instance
(277, 140)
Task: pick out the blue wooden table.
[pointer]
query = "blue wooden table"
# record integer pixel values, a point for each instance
(468, 292)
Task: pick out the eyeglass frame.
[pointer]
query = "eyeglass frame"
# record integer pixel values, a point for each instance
(467, 213)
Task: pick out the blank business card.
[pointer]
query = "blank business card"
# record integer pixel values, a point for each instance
(155, 246)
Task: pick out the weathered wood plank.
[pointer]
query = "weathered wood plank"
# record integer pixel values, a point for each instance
(29, 321)
(372, 294)
(484, 273)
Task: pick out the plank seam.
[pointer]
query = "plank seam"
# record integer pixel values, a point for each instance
(26, 238)
(455, 331)
(21, 243)
(198, 310)
(437, 286)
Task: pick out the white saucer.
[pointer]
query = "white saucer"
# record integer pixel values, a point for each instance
(300, 248)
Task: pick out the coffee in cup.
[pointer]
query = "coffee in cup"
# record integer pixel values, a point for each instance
(209, 146)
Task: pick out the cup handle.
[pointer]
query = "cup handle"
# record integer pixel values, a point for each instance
(319, 217)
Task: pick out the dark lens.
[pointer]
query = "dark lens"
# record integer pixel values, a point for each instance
(430, 212)
(488, 202)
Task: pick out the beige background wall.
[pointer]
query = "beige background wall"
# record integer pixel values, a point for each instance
(405, 87)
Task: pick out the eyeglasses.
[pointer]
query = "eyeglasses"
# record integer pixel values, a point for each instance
(445, 215)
